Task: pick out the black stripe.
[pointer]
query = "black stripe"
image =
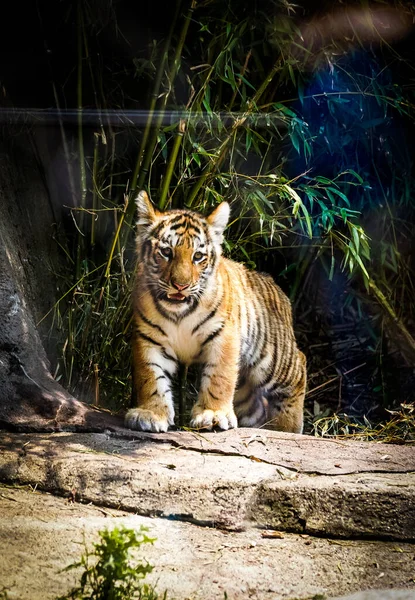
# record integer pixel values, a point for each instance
(148, 322)
(169, 316)
(177, 218)
(249, 323)
(283, 342)
(241, 381)
(262, 320)
(257, 360)
(213, 258)
(278, 398)
(186, 225)
(208, 371)
(286, 365)
(192, 307)
(177, 225)
(206, 319)
(274, 387)
(168, 356)
(193, 217)
(212, 335)
(206, 232)
(269, 378)
(147, 338)
(156, 230)
(271, 373)
(165, 373)
(195, 229)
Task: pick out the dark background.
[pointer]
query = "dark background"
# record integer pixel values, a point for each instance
(38, 69)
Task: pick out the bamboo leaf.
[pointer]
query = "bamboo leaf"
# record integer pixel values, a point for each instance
(340, 194)
(332, 265)
(356, 238)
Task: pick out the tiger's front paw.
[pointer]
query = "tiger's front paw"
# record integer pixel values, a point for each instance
(146, 420)
(207, 419)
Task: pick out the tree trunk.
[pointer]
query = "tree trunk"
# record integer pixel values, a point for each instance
(30, 398)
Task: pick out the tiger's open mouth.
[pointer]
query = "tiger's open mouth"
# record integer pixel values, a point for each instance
(177, 297)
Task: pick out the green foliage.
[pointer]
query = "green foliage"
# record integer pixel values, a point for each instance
(109, 574)
(239, 82)
(97, 325)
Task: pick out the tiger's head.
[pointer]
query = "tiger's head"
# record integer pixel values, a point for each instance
(179, 250)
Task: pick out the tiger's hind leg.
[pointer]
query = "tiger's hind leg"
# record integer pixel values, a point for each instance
(278, 406)
(250, 404)
(281, 410)
(286, 402)
(285, 412)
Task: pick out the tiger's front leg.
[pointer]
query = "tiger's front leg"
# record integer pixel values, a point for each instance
(153, 370)
(214, 406)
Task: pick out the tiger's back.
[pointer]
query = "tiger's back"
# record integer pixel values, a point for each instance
(191, 305)
(272, 371)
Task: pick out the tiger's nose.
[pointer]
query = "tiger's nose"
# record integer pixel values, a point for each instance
(180, 286)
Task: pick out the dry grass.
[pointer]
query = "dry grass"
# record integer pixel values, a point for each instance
(400, 429)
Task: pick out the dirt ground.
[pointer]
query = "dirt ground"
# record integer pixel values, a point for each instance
(40, 534)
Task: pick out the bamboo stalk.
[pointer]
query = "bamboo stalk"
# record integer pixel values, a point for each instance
(115, 239)
(154, 98)
(94, 189)
(213, 167)
(81, 154)
(170, 166)
(79, 105)
(146, 148)
(171, 77)
(96, 385)
(238, 83)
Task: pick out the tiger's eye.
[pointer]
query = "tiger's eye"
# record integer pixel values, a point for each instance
(166, 252)
(197, 256)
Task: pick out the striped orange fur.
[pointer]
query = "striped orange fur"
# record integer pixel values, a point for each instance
(192, 305)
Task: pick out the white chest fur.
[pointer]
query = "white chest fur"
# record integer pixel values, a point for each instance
(186, 337)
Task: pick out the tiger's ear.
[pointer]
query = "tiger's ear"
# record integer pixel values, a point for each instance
(218, 219)
(147, 214)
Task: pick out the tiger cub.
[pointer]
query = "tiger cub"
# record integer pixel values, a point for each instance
(191, 305)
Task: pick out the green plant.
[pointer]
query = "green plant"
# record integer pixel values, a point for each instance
(108, 571)
(249, 98)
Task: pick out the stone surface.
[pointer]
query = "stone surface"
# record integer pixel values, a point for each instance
(184, 476)
(302, 453)
(41, 534)
(381, 595)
